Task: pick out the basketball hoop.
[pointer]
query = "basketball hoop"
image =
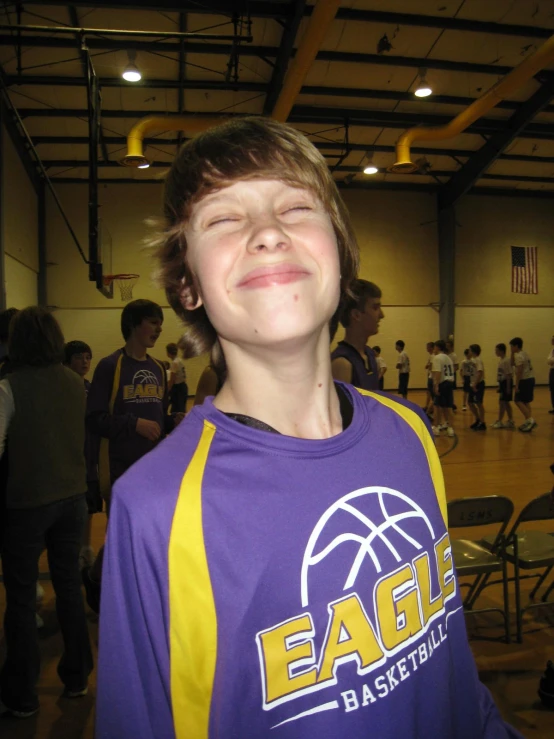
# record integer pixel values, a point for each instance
(124, 282)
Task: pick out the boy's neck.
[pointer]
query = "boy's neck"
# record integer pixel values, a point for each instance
(356, 339)
(291, 391)
(135, 350)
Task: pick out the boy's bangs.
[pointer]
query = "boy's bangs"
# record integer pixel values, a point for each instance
(217, 172)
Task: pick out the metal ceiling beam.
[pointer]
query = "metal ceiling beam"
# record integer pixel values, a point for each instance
(303, 114)
(427, 188)
(352, 92)
(280, 10)
(77, 163)
(172, 47)
(322, 145)
(474, 168)
(286, 49)
(258, 9)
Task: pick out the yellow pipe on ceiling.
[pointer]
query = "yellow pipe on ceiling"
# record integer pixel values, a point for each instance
(322, 16)
(521, 74)
(320, 20)
(155, 124)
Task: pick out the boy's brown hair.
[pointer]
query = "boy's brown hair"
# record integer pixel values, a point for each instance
(243, 149)
(361, 291)
(36, 338)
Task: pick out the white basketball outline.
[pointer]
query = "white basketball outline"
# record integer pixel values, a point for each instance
(365, 542)
(148, 377)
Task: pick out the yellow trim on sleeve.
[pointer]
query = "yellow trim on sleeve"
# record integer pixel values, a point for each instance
(192, 616)
(164, 374)
(418, 426)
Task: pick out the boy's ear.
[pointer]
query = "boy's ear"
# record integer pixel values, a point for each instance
(190, 297)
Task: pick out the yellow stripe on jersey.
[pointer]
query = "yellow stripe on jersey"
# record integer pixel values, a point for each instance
(164, 375)
(418, 426)
(192, 616)
(104, 477)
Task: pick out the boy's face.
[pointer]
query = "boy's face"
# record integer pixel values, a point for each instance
(399, 348)
(266, 262)
(430, 348)
(370, 316)
(514, 348)
(80, 363)
(147, 332)
(436, 350)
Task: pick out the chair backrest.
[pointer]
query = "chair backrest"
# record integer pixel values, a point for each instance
(538, 509)
(488, 509)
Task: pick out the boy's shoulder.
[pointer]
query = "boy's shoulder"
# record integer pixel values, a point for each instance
(408, 411)
(111, 360)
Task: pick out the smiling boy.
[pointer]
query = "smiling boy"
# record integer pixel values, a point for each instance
(279, 566)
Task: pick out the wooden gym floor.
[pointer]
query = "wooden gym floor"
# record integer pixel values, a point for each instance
(492, 462)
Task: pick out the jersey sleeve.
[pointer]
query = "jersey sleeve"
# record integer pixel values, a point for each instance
(519, 359)
(436, 364)
(133, 694)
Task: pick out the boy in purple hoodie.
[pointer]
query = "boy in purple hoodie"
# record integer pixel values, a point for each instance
(280, 565)
(127, 408)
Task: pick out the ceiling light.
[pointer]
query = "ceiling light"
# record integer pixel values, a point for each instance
(423, 89)
(370, 168)
(144, 166)
(131, 72)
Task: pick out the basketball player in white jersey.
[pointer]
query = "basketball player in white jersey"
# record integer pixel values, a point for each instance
(443, 388)
(524, 383)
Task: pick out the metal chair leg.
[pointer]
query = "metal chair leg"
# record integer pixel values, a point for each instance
(540, 581)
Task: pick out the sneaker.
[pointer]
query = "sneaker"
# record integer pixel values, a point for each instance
(546, 686)
(450, 432)
(75, 693)
(15, 713)
(92, 590)
(474, 425)
(525, 427)
(464, 407)
(509, 425)
(497, 425)
(39, 621)
(443, 426)
(481, 426)
(436, 430)
(40, 593)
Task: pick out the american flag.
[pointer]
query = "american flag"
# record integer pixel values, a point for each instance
(524, 269)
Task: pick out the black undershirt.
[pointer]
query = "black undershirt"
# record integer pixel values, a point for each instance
(346, 412)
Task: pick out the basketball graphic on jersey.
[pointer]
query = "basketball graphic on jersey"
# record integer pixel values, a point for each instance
(145, 377)
(374, 527)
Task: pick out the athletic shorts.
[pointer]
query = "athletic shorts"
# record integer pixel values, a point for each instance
(430, 385)
(382, 383)
(477, 395)
(94, 499)
(445, 396)
(467, 384)
(525, 390)
(505, 396)
(403, 378)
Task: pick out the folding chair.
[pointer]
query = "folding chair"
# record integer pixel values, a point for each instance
(471, 558)
(530, 550)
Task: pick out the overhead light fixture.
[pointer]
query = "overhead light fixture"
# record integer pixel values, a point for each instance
(370, 167)
(144, 166)
(131, 72)
(423, 89)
